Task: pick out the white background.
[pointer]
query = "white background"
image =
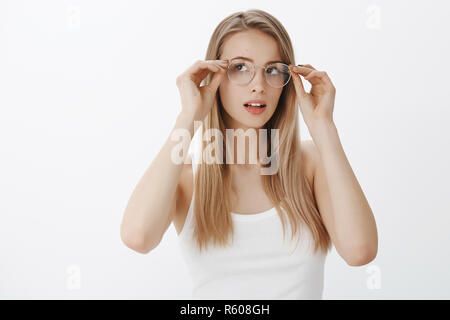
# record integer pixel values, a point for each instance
(88, 97)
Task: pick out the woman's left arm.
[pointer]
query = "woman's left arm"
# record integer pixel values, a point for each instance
(342, 204)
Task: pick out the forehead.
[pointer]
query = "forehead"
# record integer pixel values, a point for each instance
(253, 44)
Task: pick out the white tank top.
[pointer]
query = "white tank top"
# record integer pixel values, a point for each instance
(259, 264)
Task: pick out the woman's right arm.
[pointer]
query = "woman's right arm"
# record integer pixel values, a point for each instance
(153, 200)
(152, 204)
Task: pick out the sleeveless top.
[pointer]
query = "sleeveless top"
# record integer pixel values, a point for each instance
(258, 264)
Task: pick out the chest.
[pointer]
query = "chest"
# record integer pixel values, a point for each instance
(248, 194)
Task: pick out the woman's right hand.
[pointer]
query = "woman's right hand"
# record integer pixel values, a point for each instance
(197, 101)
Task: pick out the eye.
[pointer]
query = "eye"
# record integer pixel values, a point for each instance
(273, 68)
(239, 66)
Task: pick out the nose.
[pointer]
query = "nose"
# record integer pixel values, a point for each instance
(259, 80)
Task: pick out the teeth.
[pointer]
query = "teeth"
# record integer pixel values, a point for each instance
(255, 104)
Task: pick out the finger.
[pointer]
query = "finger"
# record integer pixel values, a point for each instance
(311, 67)
(308, 66)
(200, 63)
(311, 74)
(298, 84)
(304, 71)
(199, 70)
(223, 62)
(216, 79)
(315, 74)
(319, 77)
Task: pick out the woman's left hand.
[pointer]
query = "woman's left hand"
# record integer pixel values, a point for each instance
(317, 105)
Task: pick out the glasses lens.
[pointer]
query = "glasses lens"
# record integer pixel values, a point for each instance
(278, 75)
(240, 72)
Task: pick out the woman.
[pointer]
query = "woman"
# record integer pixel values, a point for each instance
(232, 220)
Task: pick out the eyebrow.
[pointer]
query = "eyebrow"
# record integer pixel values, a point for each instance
(249, 59)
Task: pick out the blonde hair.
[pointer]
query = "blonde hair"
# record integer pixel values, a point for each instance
(288, 188)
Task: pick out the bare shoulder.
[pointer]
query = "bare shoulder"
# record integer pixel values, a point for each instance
(311, 157)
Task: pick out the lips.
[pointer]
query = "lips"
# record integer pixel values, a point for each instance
(255, 109)
(258, 101)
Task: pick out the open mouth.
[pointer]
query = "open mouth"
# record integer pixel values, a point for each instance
(254, 105)
(255, 108)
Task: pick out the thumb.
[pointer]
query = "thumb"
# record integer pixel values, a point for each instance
(216, 80)
(298, 85)
(299, 90)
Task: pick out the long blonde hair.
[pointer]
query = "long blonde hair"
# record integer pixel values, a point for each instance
(288, 188)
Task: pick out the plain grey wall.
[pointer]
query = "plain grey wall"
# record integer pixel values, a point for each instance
(88, 97)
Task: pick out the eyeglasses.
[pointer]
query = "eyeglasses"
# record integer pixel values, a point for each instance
(241, 72)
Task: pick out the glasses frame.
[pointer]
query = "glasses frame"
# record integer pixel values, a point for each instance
(253, 72)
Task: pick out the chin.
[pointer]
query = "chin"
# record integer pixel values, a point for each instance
(255, 123)
(248, 120)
